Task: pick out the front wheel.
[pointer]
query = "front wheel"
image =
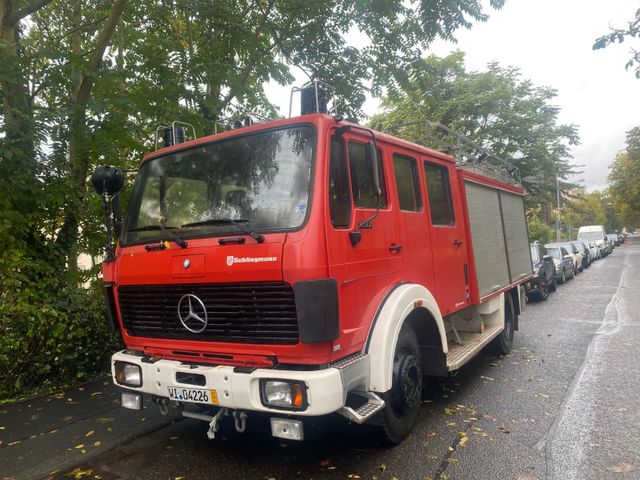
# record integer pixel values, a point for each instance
(402, 402)
(503, 343)
(563, 277)
(544, 289)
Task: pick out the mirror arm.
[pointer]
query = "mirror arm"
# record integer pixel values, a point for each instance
(108, 246)
(355, 236)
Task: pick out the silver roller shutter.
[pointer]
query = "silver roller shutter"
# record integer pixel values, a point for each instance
(489, 250)
(515, 231)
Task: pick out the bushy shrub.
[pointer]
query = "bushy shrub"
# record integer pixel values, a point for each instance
(540, 231)
(51, 333)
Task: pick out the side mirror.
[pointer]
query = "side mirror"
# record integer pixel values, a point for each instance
(547, 257)
(373, 158)
(107, 180)
(567, 257)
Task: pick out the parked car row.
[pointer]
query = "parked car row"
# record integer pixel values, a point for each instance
(556, 263)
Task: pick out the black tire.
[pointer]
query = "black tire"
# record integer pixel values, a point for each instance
(402, 402)
(554, 285)
(544, 289)
(503, 343)
(563, 279)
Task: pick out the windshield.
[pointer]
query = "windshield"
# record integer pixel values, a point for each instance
(554, 252)
(262, 180)
(590, 235)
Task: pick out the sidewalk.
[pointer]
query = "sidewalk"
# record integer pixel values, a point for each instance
(47, 434)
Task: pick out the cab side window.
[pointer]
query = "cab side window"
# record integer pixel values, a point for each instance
(364, 194)
(339, 194)
(406, 174)
(439, 194)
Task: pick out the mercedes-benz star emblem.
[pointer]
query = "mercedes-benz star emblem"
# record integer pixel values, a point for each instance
(186, 263)
(192, 313)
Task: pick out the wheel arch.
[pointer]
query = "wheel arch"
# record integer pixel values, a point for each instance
(415, 305)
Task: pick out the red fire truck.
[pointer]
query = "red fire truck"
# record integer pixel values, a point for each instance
(308, 266)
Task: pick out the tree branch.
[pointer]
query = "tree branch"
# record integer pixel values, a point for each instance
(26, 11)
(104, 38)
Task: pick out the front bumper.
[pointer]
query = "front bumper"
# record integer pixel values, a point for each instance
(239, 389)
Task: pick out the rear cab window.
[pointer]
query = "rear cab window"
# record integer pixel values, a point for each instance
(439, 194)
(406, 175)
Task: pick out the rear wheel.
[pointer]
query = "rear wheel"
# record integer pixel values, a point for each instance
(402, 402)
(503, 343)
(554, 285)
(563, 277)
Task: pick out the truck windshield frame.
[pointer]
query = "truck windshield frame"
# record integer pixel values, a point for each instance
(265, 177)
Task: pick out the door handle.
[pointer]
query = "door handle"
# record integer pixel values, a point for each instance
(457, 242)
(395, 248)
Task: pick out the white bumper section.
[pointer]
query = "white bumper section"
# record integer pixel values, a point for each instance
(326, 388)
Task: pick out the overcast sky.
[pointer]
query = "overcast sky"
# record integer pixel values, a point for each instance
(550, 41)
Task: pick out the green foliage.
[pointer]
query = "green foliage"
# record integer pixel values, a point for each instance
(76, 93)
(617, 35)
(624, 181)
(540, 231)
(498, 109)
(50, 333)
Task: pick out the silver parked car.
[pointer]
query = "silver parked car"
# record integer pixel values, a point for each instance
(562, 261)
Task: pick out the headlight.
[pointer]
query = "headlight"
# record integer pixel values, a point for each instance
(283, 394)
(557, 262)
(128, 374)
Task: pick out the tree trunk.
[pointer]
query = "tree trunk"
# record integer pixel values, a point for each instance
(78, 150)
(17, 162)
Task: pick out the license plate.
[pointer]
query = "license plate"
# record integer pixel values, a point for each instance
(193, 395)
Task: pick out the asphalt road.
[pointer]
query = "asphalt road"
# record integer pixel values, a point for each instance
(563, 405)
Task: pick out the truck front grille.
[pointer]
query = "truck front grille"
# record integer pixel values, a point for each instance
(262, 312)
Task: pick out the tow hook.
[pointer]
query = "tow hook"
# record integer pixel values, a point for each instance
(213, 425)
(241, 421)
(162, 403)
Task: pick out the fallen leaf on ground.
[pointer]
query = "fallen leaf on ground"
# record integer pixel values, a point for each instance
(79, 446)
(175, 437)
(105, 419)
(486, 378)
(542, 395)
(382, 467)
(97, 444)
(78, 473)
(622, 468)
(448, 411)
(90, 433)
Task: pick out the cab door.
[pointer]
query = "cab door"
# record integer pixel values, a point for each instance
(448, 239)
(365, 271)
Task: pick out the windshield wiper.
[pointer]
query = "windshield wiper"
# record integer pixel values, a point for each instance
(166, 230)
(228, 221)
